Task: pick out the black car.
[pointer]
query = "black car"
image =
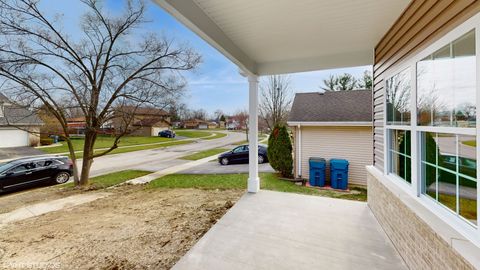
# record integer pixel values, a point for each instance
(167, 133)
(25, 172)
(240, 155)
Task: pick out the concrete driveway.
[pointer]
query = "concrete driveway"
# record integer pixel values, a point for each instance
(16, 152)
(215, 168)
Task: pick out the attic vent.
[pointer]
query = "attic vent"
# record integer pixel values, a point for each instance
(321, 92)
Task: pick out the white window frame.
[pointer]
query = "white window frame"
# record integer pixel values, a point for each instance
(469, 230)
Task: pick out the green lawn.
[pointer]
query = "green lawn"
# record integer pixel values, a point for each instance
(204, 154)
(105, 142)
(192, 133)
(111, 179)
(269, 181)
(470, 143)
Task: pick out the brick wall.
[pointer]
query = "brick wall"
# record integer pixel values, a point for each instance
(417, 243)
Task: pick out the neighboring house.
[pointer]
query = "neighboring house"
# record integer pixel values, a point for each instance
(232, 124)
(76, 125)
(236, 122)
(195, 124)
(147, 121)
(333, 125)
(212, 125)
(18, 126)
(150, 126)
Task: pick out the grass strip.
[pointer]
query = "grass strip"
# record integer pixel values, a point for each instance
(268, 181)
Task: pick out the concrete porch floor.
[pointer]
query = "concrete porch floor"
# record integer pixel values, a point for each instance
(275, 230)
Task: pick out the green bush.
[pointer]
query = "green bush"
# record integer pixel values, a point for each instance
(46, 141)
(280, 151)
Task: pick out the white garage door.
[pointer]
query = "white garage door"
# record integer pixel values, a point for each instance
(13, 138)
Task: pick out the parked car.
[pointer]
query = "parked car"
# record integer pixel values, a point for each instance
(167, 133)
(240, 155)
(27, 172)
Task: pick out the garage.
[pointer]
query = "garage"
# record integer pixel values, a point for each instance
(333, 125)
(13, 138)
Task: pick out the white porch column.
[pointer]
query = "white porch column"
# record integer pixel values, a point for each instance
(253, 179)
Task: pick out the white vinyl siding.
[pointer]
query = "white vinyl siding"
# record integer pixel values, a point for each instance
(351, 143)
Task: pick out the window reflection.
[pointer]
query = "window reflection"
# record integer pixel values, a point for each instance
(400, 154)
(449, 170)
(446, 85)
(398, 99)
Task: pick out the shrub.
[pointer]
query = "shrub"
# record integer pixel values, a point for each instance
(46, 141)
(280, 151)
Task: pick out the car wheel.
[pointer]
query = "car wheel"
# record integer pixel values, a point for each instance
(261, 159)
(224, 161)
(62, 177)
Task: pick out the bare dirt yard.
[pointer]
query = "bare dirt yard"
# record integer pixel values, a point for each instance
(134, 228)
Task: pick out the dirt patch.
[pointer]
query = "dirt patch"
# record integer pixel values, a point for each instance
(131, 229)
(12, 201)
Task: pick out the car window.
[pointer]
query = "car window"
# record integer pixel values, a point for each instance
(239, 149)
(22, 167)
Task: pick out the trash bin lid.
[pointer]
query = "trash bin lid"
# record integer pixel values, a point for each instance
(339, 163)
(317, 159)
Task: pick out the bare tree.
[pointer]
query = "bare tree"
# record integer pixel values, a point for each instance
(97, 70)
(218, 114)
(199, 114)
(276, 99)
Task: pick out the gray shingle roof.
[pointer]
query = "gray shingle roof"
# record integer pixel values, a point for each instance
(14, 115)
(341, 106)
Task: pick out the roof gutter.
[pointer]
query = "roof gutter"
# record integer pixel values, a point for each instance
(329, 124)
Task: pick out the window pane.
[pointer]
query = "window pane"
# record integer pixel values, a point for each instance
(401, 141)
(446, 85)
(447, 149)
(430, 180)
(468, 199)
(467, 155)
(447, 189)
(398, 98)
(400, 161)
(429, 147)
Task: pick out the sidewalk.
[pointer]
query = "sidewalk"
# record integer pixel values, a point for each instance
(49, 206)
(150, 177)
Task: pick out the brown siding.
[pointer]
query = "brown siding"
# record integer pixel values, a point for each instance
(423, 22)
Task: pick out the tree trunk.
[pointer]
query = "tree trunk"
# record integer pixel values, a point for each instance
(87, 157)
(76, 179)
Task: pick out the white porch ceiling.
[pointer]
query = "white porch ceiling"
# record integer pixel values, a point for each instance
(283, 36)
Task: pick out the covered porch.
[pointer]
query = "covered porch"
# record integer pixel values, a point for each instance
(278, 37)
(275, 230)
(271, 230)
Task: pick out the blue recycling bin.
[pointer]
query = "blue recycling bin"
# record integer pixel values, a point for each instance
(339, 173)
(317, 171)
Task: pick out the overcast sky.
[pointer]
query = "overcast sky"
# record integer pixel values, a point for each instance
(216, 84)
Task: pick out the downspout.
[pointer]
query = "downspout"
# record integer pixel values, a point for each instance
(299, 156)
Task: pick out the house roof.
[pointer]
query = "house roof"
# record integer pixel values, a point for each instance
(76, 119)
(144, 110)
(3, 98)
(340, 106)
(150, 122)
(19, 116)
